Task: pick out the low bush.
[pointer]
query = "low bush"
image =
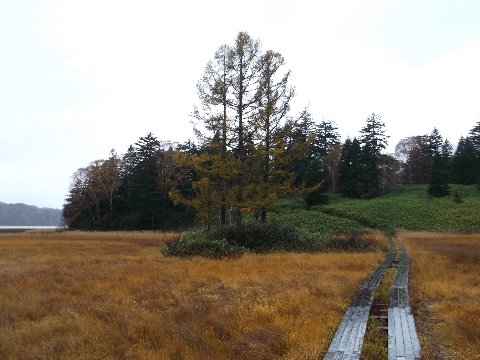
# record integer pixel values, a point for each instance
(196, 243)
(233, 241)
(261, 237)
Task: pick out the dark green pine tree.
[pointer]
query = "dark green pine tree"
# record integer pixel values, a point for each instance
(122, 199)
(474, 136)
(351, 169)
(371, 171)
(326, 137)
(144, 199)
(446, 153)
(438, 185)
(466, 162)
(373, 134)
(373, 141)
(433, 142)
(299, 133)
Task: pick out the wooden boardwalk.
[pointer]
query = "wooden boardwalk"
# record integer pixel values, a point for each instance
(348, 340)
(403, 341)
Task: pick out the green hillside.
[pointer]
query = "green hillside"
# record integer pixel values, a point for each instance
(409, 207)
(317, 223)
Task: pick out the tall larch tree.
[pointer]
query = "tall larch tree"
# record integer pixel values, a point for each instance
(244, 57)
(214, 116)
(273, 104)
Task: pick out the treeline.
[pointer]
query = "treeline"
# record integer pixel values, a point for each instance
(430, 159)
(129, 191)
(251, 151)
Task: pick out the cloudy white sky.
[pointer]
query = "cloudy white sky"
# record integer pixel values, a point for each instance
(78, 78)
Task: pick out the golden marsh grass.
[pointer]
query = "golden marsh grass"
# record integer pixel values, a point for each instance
(115, 296)
(445, 293)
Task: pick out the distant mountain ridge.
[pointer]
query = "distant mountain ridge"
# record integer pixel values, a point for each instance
(28, 215)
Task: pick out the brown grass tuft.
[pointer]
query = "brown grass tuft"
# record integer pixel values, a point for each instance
(262, 343)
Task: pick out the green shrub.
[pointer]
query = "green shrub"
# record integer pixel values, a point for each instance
(261, 237)
(196, 243)
(234, 241)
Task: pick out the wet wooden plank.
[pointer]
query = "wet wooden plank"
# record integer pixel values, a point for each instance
(397, 323)
(334, 356)
(350, 320)
(403, 343)
(357, 348)
(414, 336)
(392, 353)
(407, 342)
(350, 341)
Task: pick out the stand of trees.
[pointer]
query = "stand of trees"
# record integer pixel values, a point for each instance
(250, 152)
(430, 159)
(129, 192)
(364, 171)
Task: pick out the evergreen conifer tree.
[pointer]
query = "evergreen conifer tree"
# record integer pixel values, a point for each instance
(351, 169)
(373, 141)
(438, 185)
(466, 162)
(474, 136)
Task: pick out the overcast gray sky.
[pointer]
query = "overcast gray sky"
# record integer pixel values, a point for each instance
(78, 78)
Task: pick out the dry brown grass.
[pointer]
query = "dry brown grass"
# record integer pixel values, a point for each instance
(445, 293)
(115, 296)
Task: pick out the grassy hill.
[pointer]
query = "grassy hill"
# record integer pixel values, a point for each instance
(315, 222)
(409, 207)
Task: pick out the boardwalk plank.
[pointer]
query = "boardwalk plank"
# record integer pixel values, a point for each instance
(350, 321)
(349, 346)
(399, 346)
(334, 356)
(357, 349)
(338, 335)
(407, 342)
(403, 339)
(392, 353)
(414, 336)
